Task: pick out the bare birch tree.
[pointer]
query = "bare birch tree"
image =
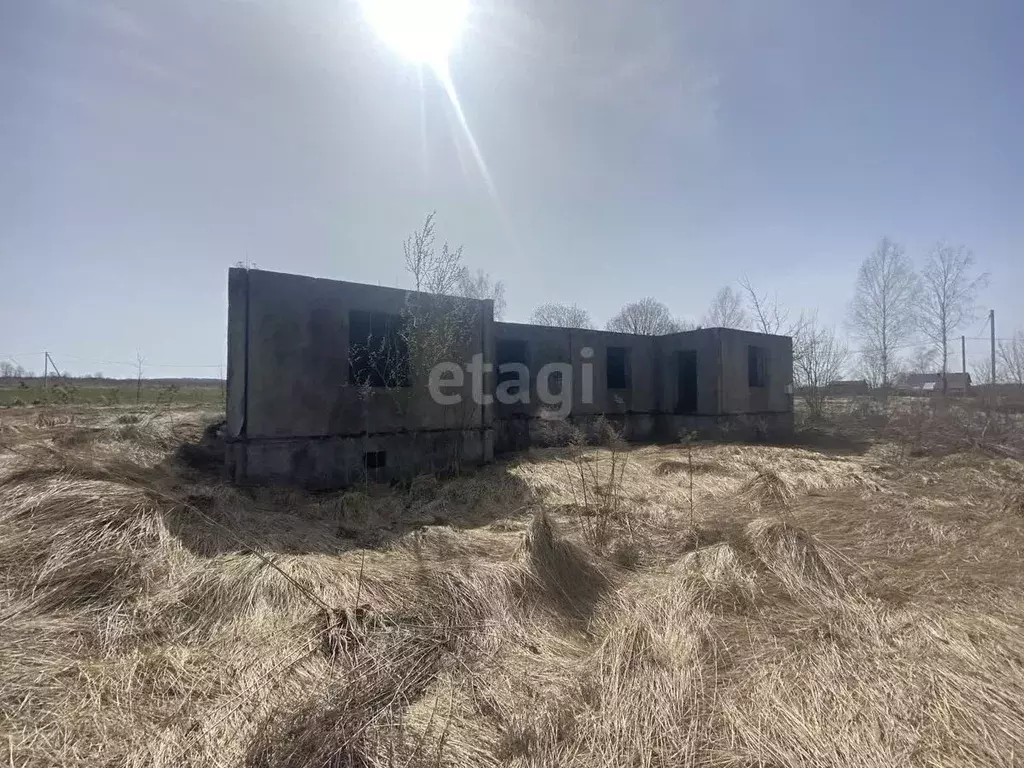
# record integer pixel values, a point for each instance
(562, 316)
(391, 356)
(883, 313)
(480, 286)
(433, 271)
(922, 359)
(822, 359)
(726, 310)
(768, 316)
(647, 317)
(981, 370)
(1011, 359)
(949, 296)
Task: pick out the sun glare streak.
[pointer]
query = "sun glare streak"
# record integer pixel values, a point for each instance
(449, 88)
(424, 143)
(424, 32)
(445, 79)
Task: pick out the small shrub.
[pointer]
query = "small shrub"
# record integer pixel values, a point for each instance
(128, 418)
(63, 393)
(595, 482)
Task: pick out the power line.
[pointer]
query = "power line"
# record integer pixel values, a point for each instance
(135, 363)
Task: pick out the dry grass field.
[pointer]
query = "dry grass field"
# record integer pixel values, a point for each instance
(708, 605)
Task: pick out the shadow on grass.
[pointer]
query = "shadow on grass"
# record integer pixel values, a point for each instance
(212, 517)
(829, 440)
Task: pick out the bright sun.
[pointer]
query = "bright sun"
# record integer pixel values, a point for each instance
(422, 31)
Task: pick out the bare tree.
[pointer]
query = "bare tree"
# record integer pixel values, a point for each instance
(647, 317)
(433, 271)
(821, 361)
(442, 271)
(981, 370)
(391, 365)
(1011, 359)
(949, 295)
(922, 359)
(871, 369)
(138, 382)
(562, 316)
(882, 315)
(771, 317)
(480, 286)
(726, 310)
(768, 315)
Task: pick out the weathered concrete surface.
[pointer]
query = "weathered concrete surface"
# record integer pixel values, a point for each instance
(296, 416)
(336, 462)
(651, 408)
(292, 405)
(298, 380)
(737, 397)
(710, 383)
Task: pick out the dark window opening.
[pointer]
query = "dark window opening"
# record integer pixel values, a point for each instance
(377, 352)
(757, 366)
(375, 459)
(617, 368)
(686, 381)
(509, 351)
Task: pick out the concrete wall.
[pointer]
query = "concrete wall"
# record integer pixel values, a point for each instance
(295, 416)
(337, 462)
(707, 344)
(520, 424)
(737, 395)
(292, 408)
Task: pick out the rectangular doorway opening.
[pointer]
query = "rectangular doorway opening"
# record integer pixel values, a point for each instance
(686, 381)
(509, 354)
(617, 368)
(375, 459)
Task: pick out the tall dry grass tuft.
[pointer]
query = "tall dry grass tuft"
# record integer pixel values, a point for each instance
(767, 490)
(802, 564)
(594, 462)
(562, 569)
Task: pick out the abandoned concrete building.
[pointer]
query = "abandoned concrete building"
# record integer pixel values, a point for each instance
(307, 406)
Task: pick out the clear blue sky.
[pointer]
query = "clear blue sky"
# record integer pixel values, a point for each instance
(636, 148)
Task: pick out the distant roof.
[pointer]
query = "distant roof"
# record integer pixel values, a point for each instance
(953, 380)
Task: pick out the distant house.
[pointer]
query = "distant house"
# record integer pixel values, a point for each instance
(930, 383)
(848, 388)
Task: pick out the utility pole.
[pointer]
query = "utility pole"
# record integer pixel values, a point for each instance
(46, 369)
(992, 325)
(138, 381)
(963, 356)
